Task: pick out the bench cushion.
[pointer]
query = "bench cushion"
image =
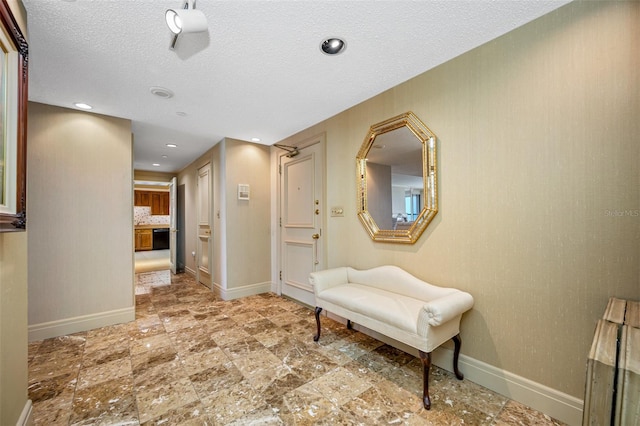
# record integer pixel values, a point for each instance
(391, 308)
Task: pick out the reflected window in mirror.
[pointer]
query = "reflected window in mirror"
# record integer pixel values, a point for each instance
(397, 179)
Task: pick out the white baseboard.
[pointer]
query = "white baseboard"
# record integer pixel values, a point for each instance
(81, 323)
(190, 271)
(25, 417)
(244, 291)
(559, 405)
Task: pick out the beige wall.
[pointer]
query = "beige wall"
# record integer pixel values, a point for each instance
(248, 231)
(241, 229)
(79, 188)
(13, 326)
(538, 150)
(152, 176)
(13, 305)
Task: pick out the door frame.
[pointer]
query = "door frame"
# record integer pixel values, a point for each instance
(209, 167)
(173, 227)
(158, 183)
(276, 246)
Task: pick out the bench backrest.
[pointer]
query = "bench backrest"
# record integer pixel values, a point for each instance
(394, 279)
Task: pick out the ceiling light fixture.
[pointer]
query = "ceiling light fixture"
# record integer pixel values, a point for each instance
(161, 92)
(333, 46)
(156, 165)
(185, 20)
(82, 105)
(172, 145)
(255, 139)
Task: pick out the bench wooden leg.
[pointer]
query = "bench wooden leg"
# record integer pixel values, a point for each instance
(457, 343)
(349, 326)
(426, 368)
(317, 336)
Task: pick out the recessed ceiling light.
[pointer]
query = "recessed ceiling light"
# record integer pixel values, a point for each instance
(161, 92)
(255, 139)
(333, 46)
(181, 113)
(165, 156)
(82, 105)
(172, 145)
(156, 165)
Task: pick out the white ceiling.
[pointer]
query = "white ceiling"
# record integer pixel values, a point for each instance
(257, 72)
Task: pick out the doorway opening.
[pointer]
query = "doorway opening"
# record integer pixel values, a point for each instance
(154, 219)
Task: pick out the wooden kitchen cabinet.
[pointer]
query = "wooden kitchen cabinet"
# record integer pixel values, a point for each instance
(144, 239)
(142, 198)
(159, 203)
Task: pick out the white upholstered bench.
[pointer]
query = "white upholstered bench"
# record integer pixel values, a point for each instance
(390, 301)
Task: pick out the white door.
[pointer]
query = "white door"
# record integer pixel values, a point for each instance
(203, 251)
(301, 219)
(173, 215)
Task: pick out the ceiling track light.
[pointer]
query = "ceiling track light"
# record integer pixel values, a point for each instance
(185, 20)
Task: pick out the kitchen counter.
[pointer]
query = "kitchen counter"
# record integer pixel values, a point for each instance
(151, 227)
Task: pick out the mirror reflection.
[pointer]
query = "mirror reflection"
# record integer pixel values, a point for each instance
(397, 179)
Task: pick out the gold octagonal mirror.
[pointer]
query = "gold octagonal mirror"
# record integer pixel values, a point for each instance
(397, 179)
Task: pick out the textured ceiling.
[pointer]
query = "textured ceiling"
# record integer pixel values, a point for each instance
(257, 72)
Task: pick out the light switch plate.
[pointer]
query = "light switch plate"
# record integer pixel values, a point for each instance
(337, 212)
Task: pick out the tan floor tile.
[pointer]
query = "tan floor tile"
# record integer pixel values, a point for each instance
(54, 411)
(207, 383)
(192, 339)
(191, 414)
(104, 372)
(242, 347)
(515, 413)
(305, 405)
(158, 374)
(228, 335)
(52, 387)
(145, 360)
(115, 351)
(272, 336)
(156, 402)
(111, 402)
(44, 367)
(198, 361)
(149, 343)
(258, 366)
(230, 404)
(178, 322)
(340, 385)
(265, 416)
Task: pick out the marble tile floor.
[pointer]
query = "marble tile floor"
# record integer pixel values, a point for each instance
(151, 254)
(151, 260)
(190, 358)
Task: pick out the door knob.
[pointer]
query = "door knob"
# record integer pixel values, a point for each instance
(315, 236)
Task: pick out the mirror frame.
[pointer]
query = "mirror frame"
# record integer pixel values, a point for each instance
(429, 175)
(13, 217)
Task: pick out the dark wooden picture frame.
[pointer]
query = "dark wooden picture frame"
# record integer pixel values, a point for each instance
(13, 124)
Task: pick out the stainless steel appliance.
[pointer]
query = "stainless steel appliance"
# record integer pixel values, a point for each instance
(160, 238)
